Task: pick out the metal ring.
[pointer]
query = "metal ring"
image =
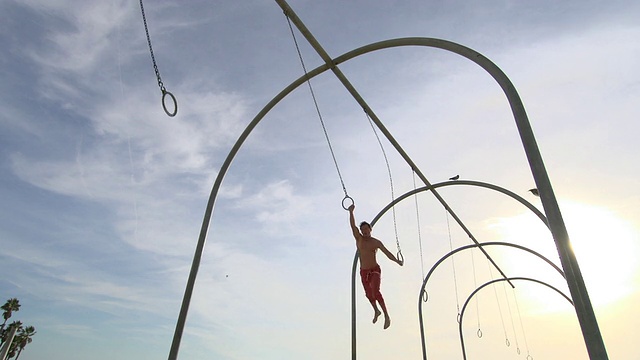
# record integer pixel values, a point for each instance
(347, 197)
(164, 105)
(507, 342)
(425, 295)
(479, 333)
(529, 357)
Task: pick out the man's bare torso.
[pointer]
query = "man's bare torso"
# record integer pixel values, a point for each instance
(367, 247)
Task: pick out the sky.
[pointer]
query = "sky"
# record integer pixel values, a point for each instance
(103, 195)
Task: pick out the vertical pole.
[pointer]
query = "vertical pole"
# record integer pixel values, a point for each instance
(584, 309)
(7, 344)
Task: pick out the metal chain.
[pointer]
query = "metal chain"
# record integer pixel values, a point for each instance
(155, 69)
(153, 58)
(393, 196)
(315, 102)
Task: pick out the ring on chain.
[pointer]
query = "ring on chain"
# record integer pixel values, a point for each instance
(346, 207)
(425, 295)
(164, 103)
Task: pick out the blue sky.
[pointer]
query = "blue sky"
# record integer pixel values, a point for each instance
(103, 195)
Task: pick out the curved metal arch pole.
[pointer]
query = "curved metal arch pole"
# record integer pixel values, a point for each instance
(464, 353)
(451, 253)
(332, 64)
(406, 195)
(177, 336)
(497, 188)
(587, 319)
(584, 308)
(575, 281)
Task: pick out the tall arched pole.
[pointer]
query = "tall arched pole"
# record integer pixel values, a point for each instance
(464, 307)
(586, 316)
(575, 281)
(197, 257)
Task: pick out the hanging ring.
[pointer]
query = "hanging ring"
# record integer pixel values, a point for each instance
(506, 340)
(347, 206)
(529, 357)
(479, 333)
(400, 257)
(425, 295)
(164, 104)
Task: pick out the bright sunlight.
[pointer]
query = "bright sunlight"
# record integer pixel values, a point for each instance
(605, 245)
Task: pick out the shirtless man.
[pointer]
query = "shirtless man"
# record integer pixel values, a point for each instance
(369, 268)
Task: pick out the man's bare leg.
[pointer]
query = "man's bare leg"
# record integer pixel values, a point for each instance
(376, 312)
(387, 319)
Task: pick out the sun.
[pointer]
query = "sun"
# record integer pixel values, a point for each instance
(605, 246)
(606, 249)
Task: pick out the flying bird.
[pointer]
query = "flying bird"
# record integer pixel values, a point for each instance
(455, 177)
(534, 192)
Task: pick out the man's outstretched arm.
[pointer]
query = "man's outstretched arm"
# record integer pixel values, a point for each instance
(352, 222)
(388, 253)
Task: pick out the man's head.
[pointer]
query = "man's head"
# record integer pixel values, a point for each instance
(365, 228)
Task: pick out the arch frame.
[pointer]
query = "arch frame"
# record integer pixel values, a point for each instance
(584, 310)
(464, 307)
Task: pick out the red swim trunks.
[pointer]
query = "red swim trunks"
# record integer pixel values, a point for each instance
(371, 283)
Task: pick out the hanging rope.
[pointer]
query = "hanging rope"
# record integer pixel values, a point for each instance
(425, 296)
(506, 337)
(393, 197)
(347, 198)
(524, 335)
(453, 264)
(165, 93)
(475, 285)
(513, 327)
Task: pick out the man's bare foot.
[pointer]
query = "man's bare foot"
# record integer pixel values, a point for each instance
(375, 316)
(387, 322)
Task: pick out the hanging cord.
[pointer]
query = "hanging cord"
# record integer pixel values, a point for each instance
(346, 198)
(475, 285)
(155, 68)
(513, 327)
(524, 335)
(453, 264)
(506, 337)
(393, 197)
(425, 297)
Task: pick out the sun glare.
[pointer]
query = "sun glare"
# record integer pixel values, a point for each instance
(606, 249)
(605, 246)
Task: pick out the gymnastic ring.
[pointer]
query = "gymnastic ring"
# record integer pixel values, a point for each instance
(507, 342)
(400, 257)
(425, 295)
(529, 357)
(518, 350)
(347, 197)
(164, 104)
(479, 333)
